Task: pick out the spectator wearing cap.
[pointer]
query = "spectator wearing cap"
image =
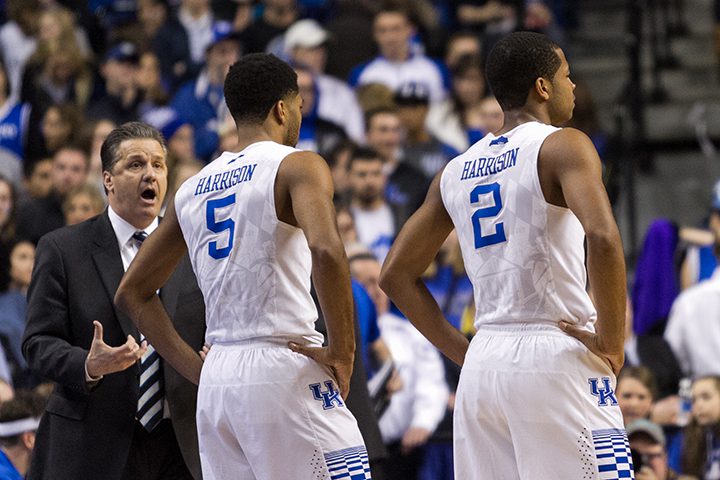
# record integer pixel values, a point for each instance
(19, 419)
(650, 458)
(201, 102)
(178, 134)
(420, 148)
(305, 45)
(119, 70)
(276, 18)
(397, 63)
(693, 330)
(700, 262)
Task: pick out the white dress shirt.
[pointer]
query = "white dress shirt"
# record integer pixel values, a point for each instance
(693, 330)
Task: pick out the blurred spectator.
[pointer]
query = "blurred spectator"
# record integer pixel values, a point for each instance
(652, 351)
(585, 118)
(317, 134)
(178, 134)
(701, 438)
(539, 18)
(197, 19)
(168, 39)
(351, 25)
(406, 185)
(636, 390)
(492, 19)
(692, 331)
(461, 44)
(17, 39)
(700, 262)
(460, 121)
(421, 149)
(56, 24)
(120, 101)
(397, 64)
(650, 460)
(14, 118)
(202, 101)
(82, 202)
(96, 132)
(346, 226)
(13, 306)
(38, 178)
(43, 215)
(61, 125)
(177, 174)
(153, 93)
(8, 205)
(305, 44)
(416, 410)
(374, 96)
(276, 18)
(376, 222)
(19, 419)
(338, 160)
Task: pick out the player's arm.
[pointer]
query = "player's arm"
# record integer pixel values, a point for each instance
(137, 297)
(415, 247)
(306, 178)
(570, 167)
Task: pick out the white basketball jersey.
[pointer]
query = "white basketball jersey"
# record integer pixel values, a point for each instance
(253, 269)
(524, 256)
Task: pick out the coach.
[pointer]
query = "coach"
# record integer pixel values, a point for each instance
(117, 412)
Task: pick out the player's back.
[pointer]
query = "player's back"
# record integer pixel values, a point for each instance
(524, 256)
(253, 269)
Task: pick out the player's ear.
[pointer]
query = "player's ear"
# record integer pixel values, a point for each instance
(542, 88)
(279, 111)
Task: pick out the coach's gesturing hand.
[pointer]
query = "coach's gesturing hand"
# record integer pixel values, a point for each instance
(104, 359)
(341, 367)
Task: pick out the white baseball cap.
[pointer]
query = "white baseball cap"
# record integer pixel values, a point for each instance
(305, 33)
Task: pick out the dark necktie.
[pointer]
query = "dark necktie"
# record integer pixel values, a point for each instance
(150, 401)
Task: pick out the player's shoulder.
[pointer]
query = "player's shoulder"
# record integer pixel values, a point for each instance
(568, 145)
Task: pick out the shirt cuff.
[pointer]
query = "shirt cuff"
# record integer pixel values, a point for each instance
(88, 378)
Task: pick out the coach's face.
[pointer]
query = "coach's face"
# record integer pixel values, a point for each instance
(137, 183)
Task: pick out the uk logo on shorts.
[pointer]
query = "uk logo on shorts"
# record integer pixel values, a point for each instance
(604, 393)
(329, 397)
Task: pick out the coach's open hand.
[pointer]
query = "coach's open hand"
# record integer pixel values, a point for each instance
(595, 344)
(104, 359)
(341, 367)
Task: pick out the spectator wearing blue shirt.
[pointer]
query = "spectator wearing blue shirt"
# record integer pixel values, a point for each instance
(19, 419)
(202, 101)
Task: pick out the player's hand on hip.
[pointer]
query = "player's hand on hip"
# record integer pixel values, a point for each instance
(103, 359)
(595, 344)
(341, 367)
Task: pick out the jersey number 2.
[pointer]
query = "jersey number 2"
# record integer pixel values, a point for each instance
(499, 235)
(221, 226)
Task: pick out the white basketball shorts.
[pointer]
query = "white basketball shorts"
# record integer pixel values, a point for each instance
(535, 404)
(267, 413)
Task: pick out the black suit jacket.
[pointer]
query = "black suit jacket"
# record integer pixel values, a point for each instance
(86, 431)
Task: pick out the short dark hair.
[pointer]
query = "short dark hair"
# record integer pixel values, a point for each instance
(516, 62)
(363, 154)
(25, 404)
(110, 150)
(378, 111)
(255, 83)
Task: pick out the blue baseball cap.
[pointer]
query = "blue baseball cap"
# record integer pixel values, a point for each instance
(221, 31)
(123, 52)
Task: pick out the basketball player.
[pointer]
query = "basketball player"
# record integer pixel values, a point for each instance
(257, 224)
(533, 402)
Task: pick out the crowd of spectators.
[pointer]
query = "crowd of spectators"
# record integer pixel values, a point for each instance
(392, 92)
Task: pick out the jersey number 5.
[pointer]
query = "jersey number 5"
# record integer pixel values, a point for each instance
(221, 226)
(499, 235)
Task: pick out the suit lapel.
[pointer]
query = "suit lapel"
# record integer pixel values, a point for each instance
(110, 268)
